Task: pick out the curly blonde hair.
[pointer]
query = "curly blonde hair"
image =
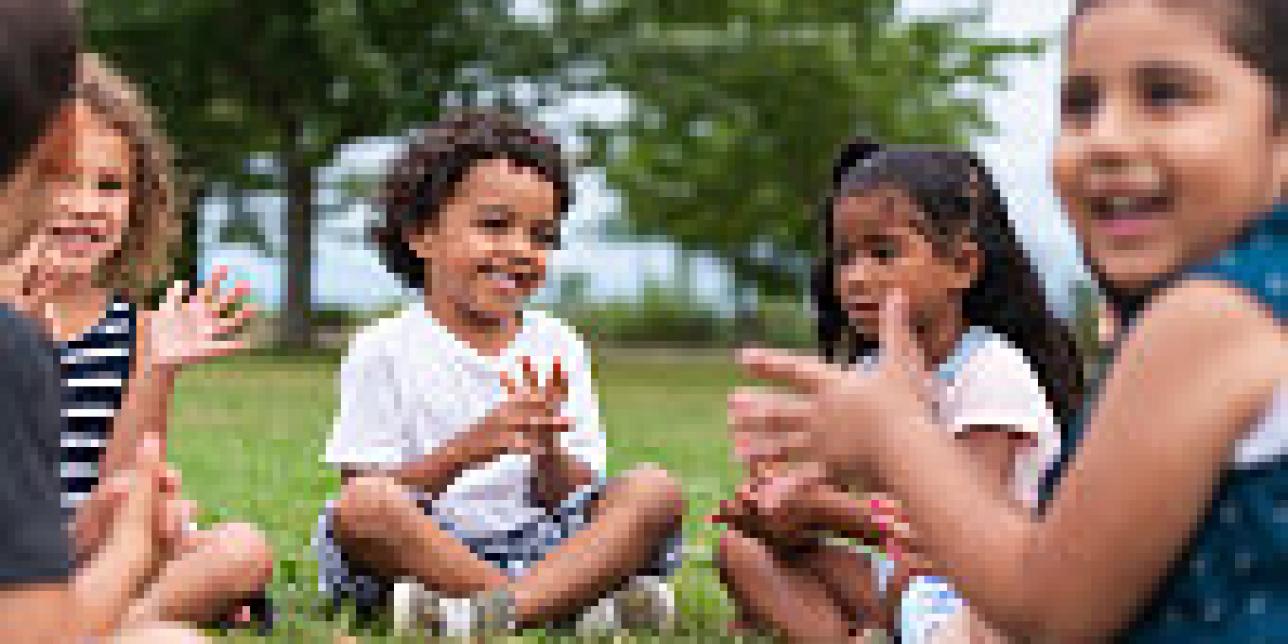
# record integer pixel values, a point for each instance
(143, 258)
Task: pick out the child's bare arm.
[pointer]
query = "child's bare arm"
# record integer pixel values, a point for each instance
(104, 586)
(184, 330)
(432, 473)
(1082, 571)
(557, 473)
(144, 408)
(35, 612)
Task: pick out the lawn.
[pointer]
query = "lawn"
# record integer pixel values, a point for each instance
(248, 433)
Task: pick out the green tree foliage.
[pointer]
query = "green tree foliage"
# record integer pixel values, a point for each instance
(293, 80)
(739, 105)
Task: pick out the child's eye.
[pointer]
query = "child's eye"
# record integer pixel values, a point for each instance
(1079, 100)
(1166, 85)
(111, 185)
(885, 252)
(493, 224)
(546, 236)
(1164, 94)
(493, 219)
(845, 255)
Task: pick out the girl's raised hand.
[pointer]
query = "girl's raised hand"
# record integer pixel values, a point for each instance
(848, 417)
(189, 328)
(27, 280)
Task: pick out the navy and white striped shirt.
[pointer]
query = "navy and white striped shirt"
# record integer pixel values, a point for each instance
(94, 368)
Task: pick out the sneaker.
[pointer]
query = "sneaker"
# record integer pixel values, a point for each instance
(415, 608)
(646, 603)
(418, 610)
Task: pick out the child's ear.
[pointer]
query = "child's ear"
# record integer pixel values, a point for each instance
(421, 242)
(966, 264)
(1279, 158)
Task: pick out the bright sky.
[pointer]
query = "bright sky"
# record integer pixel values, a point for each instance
(347, 272)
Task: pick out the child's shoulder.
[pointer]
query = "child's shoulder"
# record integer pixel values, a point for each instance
(384, 336)
(1257, 264)
(996, 359)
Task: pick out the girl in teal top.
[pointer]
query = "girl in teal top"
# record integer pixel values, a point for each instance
(1169, 522)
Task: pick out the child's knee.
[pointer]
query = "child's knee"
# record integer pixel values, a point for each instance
(734, 549)
(361, 501)
(160, 634)
(656, 490)
(246, 549)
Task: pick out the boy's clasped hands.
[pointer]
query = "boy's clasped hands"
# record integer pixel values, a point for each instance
(530, 418)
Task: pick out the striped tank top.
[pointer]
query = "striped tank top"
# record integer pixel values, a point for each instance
(94, 370)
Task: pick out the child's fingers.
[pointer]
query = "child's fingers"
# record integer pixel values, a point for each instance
(767, 410)
(203, 293)
(761, 449)
(173, 296)
(234, 323)
(745, 494)
(804, 374)
(208, 290)
(540, 426)
(507, 383)
(774, 495)
(724, 513)
(557, 385)
(530, 378)
(559, 424)
(220, 348)
(224, 299)
(769, 428)
(28, 278)
(33, 254)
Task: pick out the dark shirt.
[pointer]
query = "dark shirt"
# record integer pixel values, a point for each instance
(1230, 581)
(34, 544)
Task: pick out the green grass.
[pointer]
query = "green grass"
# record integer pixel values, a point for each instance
(248, 434)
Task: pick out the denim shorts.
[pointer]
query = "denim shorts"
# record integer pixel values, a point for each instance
(512, 551)
(928, 603)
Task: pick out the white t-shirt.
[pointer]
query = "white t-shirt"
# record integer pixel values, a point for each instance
(988, 381)
(408, 384)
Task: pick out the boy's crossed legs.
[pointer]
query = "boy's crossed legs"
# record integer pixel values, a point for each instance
(378, 523)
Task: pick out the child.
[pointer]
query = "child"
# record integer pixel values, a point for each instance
(104, 242)
(1167, 523)
(468, 433)
(930, 224)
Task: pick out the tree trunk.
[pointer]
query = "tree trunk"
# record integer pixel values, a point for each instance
(187, 253)
(745, 325)
(296, 330)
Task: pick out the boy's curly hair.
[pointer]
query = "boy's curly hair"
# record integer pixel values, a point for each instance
(436, 160)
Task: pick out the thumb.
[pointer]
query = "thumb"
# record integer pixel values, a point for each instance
(898, 342)
(900, 348)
